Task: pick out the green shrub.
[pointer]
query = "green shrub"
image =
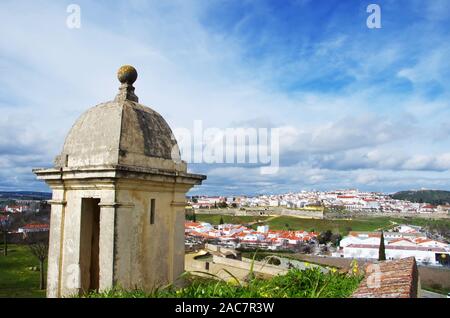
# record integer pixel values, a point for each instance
(309, 283)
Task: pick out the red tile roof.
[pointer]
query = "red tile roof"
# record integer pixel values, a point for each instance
(399, 240)
(390, 279)
(36, 226)
(188, 223)
(422, 240)
(369, 234)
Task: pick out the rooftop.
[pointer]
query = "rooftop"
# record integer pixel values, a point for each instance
(121, 132)
(390, 279)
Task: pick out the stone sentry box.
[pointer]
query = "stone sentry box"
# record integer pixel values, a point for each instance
(118, 200)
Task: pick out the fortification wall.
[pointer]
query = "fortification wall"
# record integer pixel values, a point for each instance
(223, 267)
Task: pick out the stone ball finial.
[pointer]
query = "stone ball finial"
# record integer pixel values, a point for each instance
(127, 74)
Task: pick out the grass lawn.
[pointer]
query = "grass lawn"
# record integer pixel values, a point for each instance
(341, 226)
(16, 280)
(423, 221)
(214, 219)
(336, 226)
(318, 225)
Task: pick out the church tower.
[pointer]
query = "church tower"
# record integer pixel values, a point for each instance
(118, 199)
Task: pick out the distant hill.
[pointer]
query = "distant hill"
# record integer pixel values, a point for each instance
(435, 197)
(24, 195)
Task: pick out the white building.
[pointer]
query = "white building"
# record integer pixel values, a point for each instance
(428, 255)
(274, 202)
(253, 237)
(262, 229)
(407, 229)
(33, 228)
(397, 245)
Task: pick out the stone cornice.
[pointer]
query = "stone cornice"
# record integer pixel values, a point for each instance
(57, 202)
(178, 204)
(116, 204)
(118, 172)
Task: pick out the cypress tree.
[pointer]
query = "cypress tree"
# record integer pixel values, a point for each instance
(221, 220)
(382, 249)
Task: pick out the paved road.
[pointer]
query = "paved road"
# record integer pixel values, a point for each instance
(428, 294)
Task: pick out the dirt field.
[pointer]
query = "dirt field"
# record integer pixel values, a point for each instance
(343, 263)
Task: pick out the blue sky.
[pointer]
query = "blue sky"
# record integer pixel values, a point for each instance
(356, 107)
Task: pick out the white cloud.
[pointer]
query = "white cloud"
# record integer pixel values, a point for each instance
(349, 132)
(432, 67)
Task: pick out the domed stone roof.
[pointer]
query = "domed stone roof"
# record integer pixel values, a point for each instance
(121, 132)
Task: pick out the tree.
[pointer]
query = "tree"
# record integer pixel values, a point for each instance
(382, 249)
(38, 245)
(325, 237)
(223, 205)
(335, 239)
(194, 217)
(305, 248)
(221, 220)
(5, 224)
(274, 261)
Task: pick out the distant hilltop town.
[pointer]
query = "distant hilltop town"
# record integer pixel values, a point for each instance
(328, 201)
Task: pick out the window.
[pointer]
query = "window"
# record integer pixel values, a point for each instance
(152, 211)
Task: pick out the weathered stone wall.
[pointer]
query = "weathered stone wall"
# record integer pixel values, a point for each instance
(435, 277)
(64, 271)
(270, 211)
(355, 214)
(238, 268)
(220, 249)
(149, 255)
